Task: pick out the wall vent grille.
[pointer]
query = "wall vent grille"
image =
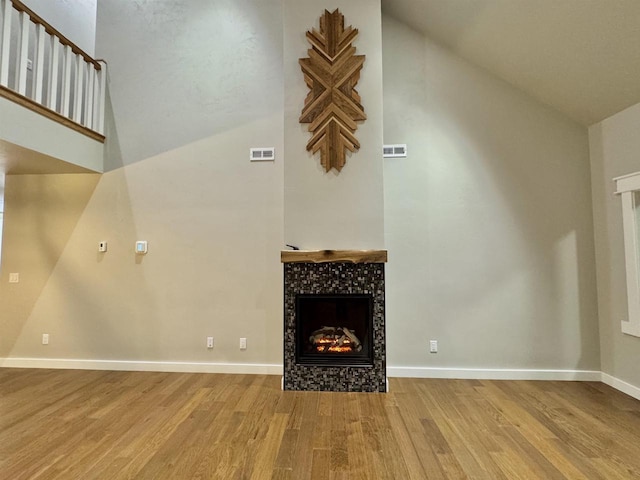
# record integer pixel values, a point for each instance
(394, 151)
(262, 154)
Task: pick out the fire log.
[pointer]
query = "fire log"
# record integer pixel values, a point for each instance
(335, 340)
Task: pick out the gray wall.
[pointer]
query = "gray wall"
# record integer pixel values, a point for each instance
(183, 120)
(185, 70)
(487, 221)
(614, 145)
(75, 19)
(331, 210)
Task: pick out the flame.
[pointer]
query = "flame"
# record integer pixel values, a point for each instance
(321, 345)
(345, 348)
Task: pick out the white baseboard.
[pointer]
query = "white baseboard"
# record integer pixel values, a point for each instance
(276, 369)
(494, 373)
(143, 366)
(621, 385)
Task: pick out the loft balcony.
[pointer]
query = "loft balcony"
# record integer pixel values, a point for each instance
(52, 98)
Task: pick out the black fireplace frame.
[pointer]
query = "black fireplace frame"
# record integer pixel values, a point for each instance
(363, 357)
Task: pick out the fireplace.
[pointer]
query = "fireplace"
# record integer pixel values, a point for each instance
(334, 329)
(334, 321)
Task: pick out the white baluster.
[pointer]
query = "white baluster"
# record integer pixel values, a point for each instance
(102, 91)
(67, 55)
(79, 83)
(52, 96)
(88, 105)
(23, 51)
(38, 64)
(7, 10)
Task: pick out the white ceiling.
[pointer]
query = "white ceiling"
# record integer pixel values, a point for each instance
(581, 57)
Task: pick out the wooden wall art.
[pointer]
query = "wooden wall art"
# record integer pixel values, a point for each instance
(332, 106)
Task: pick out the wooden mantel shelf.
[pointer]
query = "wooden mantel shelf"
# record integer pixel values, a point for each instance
(333, 256)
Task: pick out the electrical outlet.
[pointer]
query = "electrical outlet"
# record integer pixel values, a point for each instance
(209, 342)
(243, 343)
(433, 346)
(29, 64)
(14, 278)
(45, 339)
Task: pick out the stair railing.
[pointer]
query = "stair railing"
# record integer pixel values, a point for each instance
(43, 70)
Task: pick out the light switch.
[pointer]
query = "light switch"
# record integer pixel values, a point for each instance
(141, 247)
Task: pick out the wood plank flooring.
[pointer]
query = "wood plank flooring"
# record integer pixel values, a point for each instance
(62, 424)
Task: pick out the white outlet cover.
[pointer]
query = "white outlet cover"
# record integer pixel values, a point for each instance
(243, 344)
(14, 278)
(45, 339)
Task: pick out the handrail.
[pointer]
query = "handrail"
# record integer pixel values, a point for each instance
(37, 19)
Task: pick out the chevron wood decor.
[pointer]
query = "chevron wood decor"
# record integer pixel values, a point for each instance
(332, 106)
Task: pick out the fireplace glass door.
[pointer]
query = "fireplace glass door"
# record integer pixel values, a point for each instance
(334, 329)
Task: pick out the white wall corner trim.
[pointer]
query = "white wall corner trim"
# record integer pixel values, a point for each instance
(621, 385)
(627, 187)
(494, 374)
(143, 366)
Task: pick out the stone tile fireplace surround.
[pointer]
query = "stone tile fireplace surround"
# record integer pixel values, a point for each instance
(339, 273)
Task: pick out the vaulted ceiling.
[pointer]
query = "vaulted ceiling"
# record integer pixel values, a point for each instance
(581, 57)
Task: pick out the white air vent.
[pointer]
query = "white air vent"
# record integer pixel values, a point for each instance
(391, 151)
(262, 154)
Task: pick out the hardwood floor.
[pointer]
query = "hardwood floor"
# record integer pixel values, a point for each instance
(124, 425)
